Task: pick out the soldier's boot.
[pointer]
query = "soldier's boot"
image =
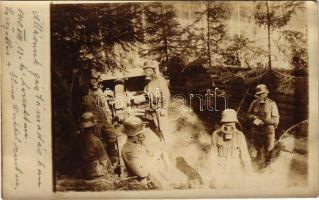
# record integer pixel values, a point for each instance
(260, 159)
(268, 158)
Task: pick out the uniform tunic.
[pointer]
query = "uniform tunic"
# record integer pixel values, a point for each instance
(141, 162)
(96, 102)
(267, 111)
(160, 96)
(89, 153)
(264, 136)
(138, 160)
(230, 158)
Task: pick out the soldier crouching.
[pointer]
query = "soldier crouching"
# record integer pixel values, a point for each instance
(88, 151)
(141, 163)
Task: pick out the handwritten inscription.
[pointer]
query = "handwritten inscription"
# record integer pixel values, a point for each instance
(37, 35)
(27, 100)
(25, 90)
(20, 28)
(7, 16)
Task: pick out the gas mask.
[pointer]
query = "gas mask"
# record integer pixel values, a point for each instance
(138, 139)
(149, 74)
(261, 97)
(141, 138)
(94, 83)
(228, 131)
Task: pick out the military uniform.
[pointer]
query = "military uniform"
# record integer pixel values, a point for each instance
(229, 153)
(138, 159)
(159, 100)
(88, 151)
(90, 155)
(264, 135)
(96, 102)
(143, 163)
(230, 159)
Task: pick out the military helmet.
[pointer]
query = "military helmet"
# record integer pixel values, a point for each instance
(132, 126)
(261, 88)
(150, 64)
(87, 120)
(229, 115)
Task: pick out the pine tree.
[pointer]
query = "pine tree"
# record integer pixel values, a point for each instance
(87, 33)
(207, 41)
(163, 32)
(274, 15)
(293, 45)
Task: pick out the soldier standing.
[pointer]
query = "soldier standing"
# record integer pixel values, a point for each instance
(88, 151)
(264, 115)
(229, 152)
(157, 89)
(97, 103)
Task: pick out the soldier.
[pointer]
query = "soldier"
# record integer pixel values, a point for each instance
(88, 151)
(157, 89)
(141, 162)
(97, 102)
(229, 152)
(264, 115)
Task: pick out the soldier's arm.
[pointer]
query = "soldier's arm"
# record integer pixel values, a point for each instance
(102, 156)
(213, 151)
(274, 120)
(244, 154)
(166, 95)
(137, 163)
(250, 114)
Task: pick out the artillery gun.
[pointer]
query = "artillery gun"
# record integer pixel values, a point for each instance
(126, 97)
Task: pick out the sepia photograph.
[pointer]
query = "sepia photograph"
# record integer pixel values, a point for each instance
(185, 95)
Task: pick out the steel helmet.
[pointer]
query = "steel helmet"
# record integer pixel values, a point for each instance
(132, 126)
(87, 120)
(150, 64)
(261, 88)
(229, 115)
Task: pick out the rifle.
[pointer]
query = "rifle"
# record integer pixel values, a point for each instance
(158, 125)
(121, 162)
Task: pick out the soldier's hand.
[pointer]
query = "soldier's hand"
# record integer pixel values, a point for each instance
(258, 122)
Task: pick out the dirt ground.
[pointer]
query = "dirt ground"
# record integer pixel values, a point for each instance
(188, 147)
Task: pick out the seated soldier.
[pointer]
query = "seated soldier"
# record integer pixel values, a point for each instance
(142, 163)
(88, 150)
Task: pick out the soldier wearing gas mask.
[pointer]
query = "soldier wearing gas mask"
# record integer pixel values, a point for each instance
(229, 152)
(157, 89)
(264, 115)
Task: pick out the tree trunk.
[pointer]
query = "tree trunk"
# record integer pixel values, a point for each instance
(165, 40)
(208, 37)
(269, 45)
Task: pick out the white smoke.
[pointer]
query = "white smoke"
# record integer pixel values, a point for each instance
(190, 140)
